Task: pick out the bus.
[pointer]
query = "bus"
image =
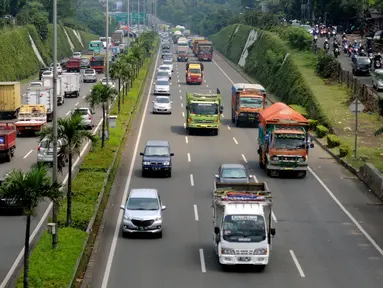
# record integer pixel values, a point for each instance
(95, 45)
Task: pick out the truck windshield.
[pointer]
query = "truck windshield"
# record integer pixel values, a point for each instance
(97, 63)
(205, 49)
(248, 102)
(195, 71)
(289, 141)
(244, 228)
(204, 108)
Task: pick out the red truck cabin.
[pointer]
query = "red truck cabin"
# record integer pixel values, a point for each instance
(73, 65)
(7, 140)
(205, 51)
(98, 63)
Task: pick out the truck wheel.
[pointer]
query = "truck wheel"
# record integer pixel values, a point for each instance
(232, 117)
(190, 131)
(261, 165)
(237, 122)
(268, 172)
(260, 268)
(8, 157)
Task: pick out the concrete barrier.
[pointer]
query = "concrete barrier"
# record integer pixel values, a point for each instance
(372, 178)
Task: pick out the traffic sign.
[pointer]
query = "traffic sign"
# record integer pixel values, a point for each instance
(121, 16)
(356, 107)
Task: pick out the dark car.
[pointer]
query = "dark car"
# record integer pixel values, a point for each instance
(229, 173)
(42, 70)
(8, 205)
(157, 158)
(361, 65)
(165, 45)
(165, 52)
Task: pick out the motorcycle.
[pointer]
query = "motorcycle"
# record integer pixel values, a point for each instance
(326, 47)
(345, 48)
(315, 39)
(377, 64)
(336, 52)
(350, 50)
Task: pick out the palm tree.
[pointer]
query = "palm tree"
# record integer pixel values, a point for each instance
(379, 131)
(139, 53)
(28, 190)
(100, 94)
(116, 72)
(130, 59)
(127, 75)
(73, 136)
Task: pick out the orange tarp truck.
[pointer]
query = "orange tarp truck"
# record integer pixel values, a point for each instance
(284, 141)
(195, 45)
(247, 101)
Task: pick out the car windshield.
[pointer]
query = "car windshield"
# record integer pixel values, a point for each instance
(168, 62)
(81, 111)
(89, 71)
(46, 144)
(160, 151)
(204, 108)
(251, 102)
(244, 228)
(162, 83)
(35, 85)
(289, 141)
(363, 61)
(165, 68)
(195, 71)
(162, 74)
(233, 173)
(162, 100)
(143, 204)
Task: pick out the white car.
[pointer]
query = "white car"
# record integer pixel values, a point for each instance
(47, 73)
(59, 68)
(36, 84)
(162, 74)
(110, 82)
(162, 105)
(169, 63)
(162, 86)
(87, 117)
(45, 150)
(76, 55)
(166, 68)
(90, 75)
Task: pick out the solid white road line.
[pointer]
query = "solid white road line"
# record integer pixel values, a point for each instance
(67, 113)
(223, 72)
(189, 159)
(244, 158)
(202, 258)
(349, 215)
(228, 127)
(77, 103)
(235, 140)
(26, 155)
(196, 213)
(186, 139)
(183, 114)
(127, 184)
(191, 180)
(300, 270)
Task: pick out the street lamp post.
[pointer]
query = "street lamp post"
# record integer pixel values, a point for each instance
(128, 24)
(107, 67)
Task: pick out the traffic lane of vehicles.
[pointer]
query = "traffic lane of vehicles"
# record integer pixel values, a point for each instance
(325, 222)
(164, 258)
(13, 226)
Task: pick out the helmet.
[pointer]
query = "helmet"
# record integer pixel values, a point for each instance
(355, 41)
(379, 53)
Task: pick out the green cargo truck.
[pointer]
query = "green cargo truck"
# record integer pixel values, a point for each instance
(203, 112)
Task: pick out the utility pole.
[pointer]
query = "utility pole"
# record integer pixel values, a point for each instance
(54, 124)
(128, 24)
(107, 67)
(138, 17)
(155, 15)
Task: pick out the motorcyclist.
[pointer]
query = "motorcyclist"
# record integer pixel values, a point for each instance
(377, 58)
(362, 52)
(326, 46)
(335, 45)
(361, 46)
(356, 44)
(344, 37)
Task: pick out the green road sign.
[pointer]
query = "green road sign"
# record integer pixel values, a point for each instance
(121, 16)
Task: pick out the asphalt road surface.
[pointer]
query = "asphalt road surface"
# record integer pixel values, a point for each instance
(346, 64)
(12, 227)
(328, 229)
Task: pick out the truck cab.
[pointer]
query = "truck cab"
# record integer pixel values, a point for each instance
(194, 73)
(247, 101)
(205, 51)
(242, 233)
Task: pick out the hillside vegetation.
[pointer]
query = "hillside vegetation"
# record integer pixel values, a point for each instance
(17, 57)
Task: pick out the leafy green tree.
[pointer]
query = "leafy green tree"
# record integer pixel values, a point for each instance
(379, 132)
(116, 72)
(99, 95)
(73, 136)
(28, 190)
(33, 12)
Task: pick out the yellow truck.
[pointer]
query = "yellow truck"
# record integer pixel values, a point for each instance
(10, 100)
(31, 119)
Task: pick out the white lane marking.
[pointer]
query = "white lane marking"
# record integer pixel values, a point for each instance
(204, 80)
(202, 258)
(180, 91)
(184, 125)
(181, 97)
(183, 114)
(228, 127)
(274, 217)
(256, 180)
(178, 76)
(191, 180)
(182, 104)
(207, 86)
(127, 184)
(67, 113)
(196, 213)
(235, 140)
(179, 85)
(90, 90)
(300, 270)
(210, 91)
(244, 158)
(83, 97)
(77, 103)
(349, 215)
(186, 139)
(189, 159)
(26, 155)
(223, 72)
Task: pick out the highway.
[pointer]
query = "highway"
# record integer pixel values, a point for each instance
(345, 61)
(328, 228)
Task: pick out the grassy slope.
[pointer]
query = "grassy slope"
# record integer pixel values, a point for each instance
(18, 61)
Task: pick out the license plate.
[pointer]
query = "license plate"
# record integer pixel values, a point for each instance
(244, 259)
(142, 228)
(288, 168)
(156, 168)
(26, 128)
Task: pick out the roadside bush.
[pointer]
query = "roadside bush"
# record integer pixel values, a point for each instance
(343, 151)
(301, 110)
(332, 141)
(313, 124)
(326, 66)
(297, 37)
(321, 131)
(261, 20)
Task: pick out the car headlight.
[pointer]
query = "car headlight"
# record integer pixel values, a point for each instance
(227, 251)
(302, 159)
(126, 217)
(158, 218)
(260, 251)
(274, 158)
(166, 163)
(146, 163)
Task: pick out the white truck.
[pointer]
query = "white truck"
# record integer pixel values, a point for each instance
(48, 83)
(242, 223)
(70, 84)
(41, 96)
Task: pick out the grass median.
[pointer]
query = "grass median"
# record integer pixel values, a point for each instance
(58, 266)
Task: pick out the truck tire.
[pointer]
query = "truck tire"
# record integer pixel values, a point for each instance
(8, 157)
(232, 117)
(190, 131)
(237, 122)
(261, 165)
